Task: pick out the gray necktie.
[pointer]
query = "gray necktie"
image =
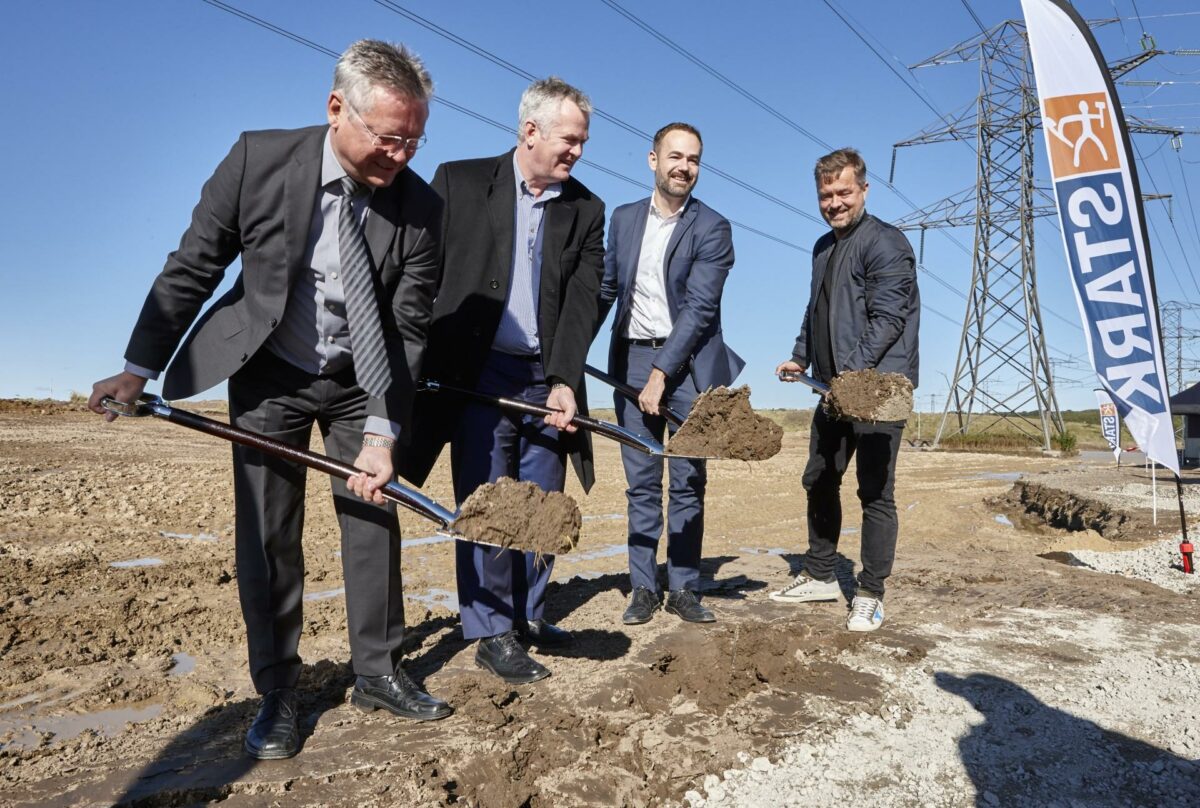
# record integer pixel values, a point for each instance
(362, 311)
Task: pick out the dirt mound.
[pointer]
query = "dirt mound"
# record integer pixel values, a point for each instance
(522, 516)
(41, 406)
(868, 395)
(1072, 510)
(722, 424)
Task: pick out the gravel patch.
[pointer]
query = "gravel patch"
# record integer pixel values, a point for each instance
(1158, 563)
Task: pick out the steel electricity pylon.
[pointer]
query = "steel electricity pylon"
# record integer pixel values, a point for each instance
(1002, 367)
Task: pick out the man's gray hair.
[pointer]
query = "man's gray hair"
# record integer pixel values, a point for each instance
(370, 65)
(542, 100)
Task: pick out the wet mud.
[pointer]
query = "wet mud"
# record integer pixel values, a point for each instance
(868, 395)
(520, 515)
(723, 425)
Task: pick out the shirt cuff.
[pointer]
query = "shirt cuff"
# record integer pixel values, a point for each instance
(138, 370)
(382, 426)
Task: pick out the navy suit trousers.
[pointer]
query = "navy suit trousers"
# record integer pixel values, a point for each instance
(644, 475)
(502, 589)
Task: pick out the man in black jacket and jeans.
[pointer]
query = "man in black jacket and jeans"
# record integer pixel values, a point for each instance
(863, 312)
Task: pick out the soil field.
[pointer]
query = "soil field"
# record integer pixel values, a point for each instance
(1000, 677)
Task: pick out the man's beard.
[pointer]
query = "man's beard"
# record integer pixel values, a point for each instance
(663, 184)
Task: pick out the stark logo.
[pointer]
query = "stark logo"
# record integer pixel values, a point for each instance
(1082, 137)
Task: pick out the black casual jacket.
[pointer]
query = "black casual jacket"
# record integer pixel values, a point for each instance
(874, 305)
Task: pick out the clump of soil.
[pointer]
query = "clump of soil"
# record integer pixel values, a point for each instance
(722, 424)
(868, 395)
(1075, 511)
(521, 516)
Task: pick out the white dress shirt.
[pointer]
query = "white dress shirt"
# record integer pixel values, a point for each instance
(649, 312)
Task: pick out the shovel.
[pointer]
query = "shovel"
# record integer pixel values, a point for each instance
(153, 405)
(608, 430)
(632, 393)
(793, 376)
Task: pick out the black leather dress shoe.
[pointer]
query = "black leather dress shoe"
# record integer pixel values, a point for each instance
(642, 604)
(399, 695)
(504, 656)
(275, 733)
(684, 603)
(541, 633)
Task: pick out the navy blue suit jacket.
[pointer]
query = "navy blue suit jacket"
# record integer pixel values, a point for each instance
(697, 262)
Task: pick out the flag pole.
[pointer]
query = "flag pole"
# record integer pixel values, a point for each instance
(1185, 546)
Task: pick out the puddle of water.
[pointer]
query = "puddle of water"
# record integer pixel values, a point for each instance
(595, 516)
(189, 536)
(996, 475)
(136, 562)
(328, 593)
(603, 552)
(1004, 520)
(181, 664)
(586, 575)
(436, 597)
(27, 729)
(849, 531)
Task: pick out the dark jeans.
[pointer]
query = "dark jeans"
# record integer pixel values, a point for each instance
(831, 445)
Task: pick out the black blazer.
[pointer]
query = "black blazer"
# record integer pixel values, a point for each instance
(477, 234)
(259, 204)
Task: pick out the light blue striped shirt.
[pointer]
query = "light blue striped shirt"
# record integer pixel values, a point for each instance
(518, 331)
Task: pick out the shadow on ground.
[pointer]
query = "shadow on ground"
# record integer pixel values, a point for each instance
(1028, 753)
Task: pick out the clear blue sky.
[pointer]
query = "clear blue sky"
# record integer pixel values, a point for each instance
(125, 109)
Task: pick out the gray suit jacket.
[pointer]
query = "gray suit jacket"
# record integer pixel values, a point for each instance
(259, 204)
(697, 262)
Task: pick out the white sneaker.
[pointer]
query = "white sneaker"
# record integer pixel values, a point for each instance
(866, 614)
(806, 589)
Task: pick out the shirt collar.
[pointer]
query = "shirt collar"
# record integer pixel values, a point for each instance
(552, 190)
(331, 169)
(674, 216)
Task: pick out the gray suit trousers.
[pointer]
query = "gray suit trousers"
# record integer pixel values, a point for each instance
(644, 475)
(274, 398)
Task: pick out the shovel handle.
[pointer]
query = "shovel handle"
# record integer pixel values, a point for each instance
(631, 393)
(611, 431)
(401, 495)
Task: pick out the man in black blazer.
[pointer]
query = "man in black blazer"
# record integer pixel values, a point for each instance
(516, 309)
(299, 346)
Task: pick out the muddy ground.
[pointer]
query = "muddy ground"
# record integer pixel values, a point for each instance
(997, 677)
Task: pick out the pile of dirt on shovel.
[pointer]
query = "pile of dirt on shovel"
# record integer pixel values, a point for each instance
(722, 424)
(521, 516)
(868, 395)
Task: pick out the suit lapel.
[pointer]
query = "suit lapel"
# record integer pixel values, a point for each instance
(501, 203)
(633, 252)
(686, 220)
(301, 183)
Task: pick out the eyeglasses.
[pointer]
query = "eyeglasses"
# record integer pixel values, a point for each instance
(392, 144)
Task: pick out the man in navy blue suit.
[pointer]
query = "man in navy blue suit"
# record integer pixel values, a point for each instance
(667, 260)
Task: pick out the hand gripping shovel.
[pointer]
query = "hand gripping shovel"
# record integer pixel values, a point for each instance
(536, 520)
(632, 393)
(608, 430)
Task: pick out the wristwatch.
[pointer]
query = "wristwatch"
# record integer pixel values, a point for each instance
(378, 440)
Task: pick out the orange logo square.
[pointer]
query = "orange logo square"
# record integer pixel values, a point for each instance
(1081, 136)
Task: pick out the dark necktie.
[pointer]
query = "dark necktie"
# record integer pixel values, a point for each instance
(362, 311)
